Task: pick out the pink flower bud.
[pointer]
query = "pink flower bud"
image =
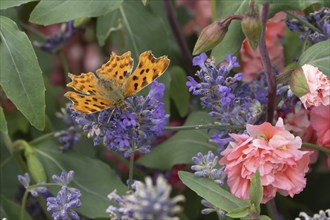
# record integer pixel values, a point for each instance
(298, 83)
(318, 86)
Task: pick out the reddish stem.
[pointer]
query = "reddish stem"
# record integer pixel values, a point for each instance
(271, 80)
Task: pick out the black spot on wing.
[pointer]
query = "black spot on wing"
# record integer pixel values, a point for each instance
(136, 86)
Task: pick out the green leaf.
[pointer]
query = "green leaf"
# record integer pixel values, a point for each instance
(264, 217)
(12, 3)
(3, 122)
(139, 29)
(21, 77)
(256, 191)
(9, 170)
(181, 147)
(11, 210)
(51, 12)
(179, 91)
(212, 192)
(93, 178)
(239, 212)
(234, 37)
(317, 55)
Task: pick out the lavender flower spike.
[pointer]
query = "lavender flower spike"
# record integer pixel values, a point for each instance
(25, 181)
(62, 206)
(147, 201)
(205, 167)
(131, 128)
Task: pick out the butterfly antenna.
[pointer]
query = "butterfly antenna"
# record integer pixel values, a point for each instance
(111, 114)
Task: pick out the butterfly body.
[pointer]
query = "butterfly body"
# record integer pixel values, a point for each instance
(114, 82)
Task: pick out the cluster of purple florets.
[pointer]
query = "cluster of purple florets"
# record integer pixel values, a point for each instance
(71, 135)
(130, 128)
(319, 19)
(147, 200)
(53, 42)
(67, 199)
(230, 101)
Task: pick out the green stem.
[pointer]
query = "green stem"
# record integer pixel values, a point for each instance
(64, 65)
(20, 145)
(131, 168)
(26, 193)
(42, 185)
(8, 143)
(316, 147)
(304, 21)
(209, 126)
(214, 10)
(42, 138)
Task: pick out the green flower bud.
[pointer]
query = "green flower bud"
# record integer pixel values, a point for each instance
(80, 21)
(35, 167)
(252, 27)
(298, 82)
(212, 35)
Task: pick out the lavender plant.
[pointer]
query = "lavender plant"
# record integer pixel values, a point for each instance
(243, 142)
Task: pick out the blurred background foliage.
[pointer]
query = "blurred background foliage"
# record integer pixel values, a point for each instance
(32, 92)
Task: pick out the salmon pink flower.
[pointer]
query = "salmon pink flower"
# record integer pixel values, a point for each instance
(297, 122)
(319, 87)
(275, 152)
(320, 121)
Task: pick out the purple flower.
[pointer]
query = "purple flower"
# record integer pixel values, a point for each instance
(205, 167)
(64, 179)
(34, 190)
(222, 95)
(53, 42)
(211, 208)
(68, 137)
(319, 19)
(131, 128)
(147, 201)
(193, 85)
(200, 60)
(63, 204)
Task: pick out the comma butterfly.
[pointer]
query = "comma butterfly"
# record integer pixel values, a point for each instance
(113, 82)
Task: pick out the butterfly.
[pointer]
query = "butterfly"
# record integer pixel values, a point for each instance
(114, 81)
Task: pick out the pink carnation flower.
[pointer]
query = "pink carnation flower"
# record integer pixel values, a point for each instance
(319, 87)
(297, 122)
(275, 152)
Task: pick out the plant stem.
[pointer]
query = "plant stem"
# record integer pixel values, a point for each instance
(131, 168)
(26, 193)
(178, 36)
(42, 138)
(316, 147)
(214, 10)
(272, 209)
(64, 65)
(209, 126)
(8, 143)
(271, 80)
